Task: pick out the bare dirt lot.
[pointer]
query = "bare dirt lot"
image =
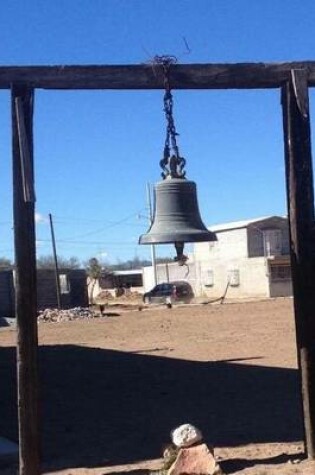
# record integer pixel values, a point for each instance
(112, 388)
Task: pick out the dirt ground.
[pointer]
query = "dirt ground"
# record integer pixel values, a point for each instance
(112, 388)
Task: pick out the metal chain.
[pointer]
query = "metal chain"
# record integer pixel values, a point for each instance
(172, 163)
(168, 109)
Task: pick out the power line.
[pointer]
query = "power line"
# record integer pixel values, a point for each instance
(108, 226)
(69, 241)
(88, 220)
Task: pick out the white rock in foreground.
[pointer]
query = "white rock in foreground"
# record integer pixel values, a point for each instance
(186, 435)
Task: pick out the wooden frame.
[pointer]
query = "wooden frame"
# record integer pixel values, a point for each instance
(150, 76)
(293, 79)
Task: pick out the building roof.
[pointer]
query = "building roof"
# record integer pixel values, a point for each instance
(128, 272)
(241, 224)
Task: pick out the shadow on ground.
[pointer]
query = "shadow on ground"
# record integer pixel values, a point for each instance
(103, 407)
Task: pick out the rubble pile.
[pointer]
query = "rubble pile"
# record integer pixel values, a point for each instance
(131, 295)
(104, 295)
(120, 296)
(55, 315)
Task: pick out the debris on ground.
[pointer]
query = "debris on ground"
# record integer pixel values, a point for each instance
(121, 295)
(131, 295)
(105, 300)
(56, 315)
(104, 295)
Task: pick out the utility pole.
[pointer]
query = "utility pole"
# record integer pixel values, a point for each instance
(55, 261)
(153, 255)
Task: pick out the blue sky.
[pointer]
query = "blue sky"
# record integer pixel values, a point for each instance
(95, 151)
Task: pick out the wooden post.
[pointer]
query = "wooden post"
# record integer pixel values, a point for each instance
(300, 200)
(25, 279)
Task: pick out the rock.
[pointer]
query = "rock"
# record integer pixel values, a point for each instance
(170, 453)
(196, 460)
(186, 435)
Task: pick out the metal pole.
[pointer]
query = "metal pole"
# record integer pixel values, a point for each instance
(153, 255)
(55, 262)
(167, 273)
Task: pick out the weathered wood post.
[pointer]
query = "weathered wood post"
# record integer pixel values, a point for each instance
(300, 200)
(25, 278)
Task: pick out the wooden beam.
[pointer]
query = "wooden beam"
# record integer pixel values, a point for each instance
(25, 288)
(150, 76)
(300, 199)
(25, 157)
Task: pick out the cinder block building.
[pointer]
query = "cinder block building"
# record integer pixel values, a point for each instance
(250, 257)
(73, 290)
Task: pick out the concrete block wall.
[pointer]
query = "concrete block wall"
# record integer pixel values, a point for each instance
(248, 278)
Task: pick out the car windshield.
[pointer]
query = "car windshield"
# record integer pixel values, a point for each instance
(157, 288)
(171, 287)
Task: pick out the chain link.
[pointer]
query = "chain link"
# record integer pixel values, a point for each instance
(172, 163)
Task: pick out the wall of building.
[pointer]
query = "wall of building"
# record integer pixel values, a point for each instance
(226, 262)
(78, 288)
(240, 257)
(281, 289)
(247, 278)
(230, 243)
(74, 294)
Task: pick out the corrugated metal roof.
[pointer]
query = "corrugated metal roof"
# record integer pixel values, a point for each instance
(240, 224)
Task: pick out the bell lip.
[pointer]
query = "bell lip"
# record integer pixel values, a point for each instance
(207, 236)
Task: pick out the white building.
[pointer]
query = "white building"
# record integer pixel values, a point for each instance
(250, 259)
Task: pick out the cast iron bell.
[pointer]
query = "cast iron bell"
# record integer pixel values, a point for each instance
(176, 214)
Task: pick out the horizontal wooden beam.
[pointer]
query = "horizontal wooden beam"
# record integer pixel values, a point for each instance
(150, 76)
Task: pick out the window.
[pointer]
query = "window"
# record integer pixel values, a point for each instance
(280, 272)
(272, 242)
(234, 277)
(64, 283)
(208, 278)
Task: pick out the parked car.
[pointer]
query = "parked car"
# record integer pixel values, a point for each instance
(170, 293)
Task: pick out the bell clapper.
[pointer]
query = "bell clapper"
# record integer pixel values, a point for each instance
(180, 256)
